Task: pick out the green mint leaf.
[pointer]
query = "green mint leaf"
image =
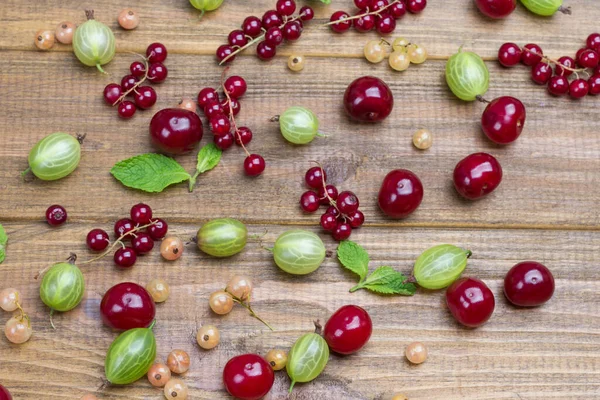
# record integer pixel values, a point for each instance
(354, 257)
(149, 172)
(386, 280)
(208, 158)
(3, 241)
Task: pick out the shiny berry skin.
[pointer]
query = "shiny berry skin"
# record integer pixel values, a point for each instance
(398, 10)
(56, 215)
(509, 54)
(128, 82)
(365, 23)
(243, 136)
(223, 52)
(224, 142)
(347, 202)
(362, 4)
(581, 50)
(306, 13)
(254, 165)
(265, 52)
(158, 230)
(470, 302)
(213, 108)
(567, 62)
(594, 84)
(578, 88)
(220, 125)
(126, 109)
(541, 73)
(348, 330)
(496, 8)
(368, 99)
(274, 36)
(401, 193)
(357, 218)
(142, 243)
(558, 85)
(477, 175)
(157, 72)
(123, 226)
(328, 222)
(248, 377)
(206, 95)
(292, 30)
(137, 69)
(235, 106)
(270, 19)
(97, 240)
(252, 26)
(285, 7)
(503, 119)
(593, 42)
(588, 59)
(529, 284)
(331, 191)
(333, 211)
(385, 24)
(342, 231)
(126, 306)
(377, 5)
(112, 93)
(416, 6)
(145, 97)
(596, 71)
(315, 177)
(533, 56)
(125, 257)
(141, 214)
(341, 26)
(175, 130)
(309, 201)
(236, 86)
(156, 52)
(237, 38)
(5, 394)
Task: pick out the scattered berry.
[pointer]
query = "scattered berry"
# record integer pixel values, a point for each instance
(128, 19)
(56, 215)
(97, 240)
(171, 248)
(416, 353)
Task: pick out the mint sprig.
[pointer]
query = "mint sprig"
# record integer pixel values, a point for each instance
(384, 280)
(208, 158)
(3, 241)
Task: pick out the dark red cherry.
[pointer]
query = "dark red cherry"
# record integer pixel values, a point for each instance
(126, 306)
(368, 99)
(248, 377)
(348, 329)
(477, 175)
(400, 194)
(496, 8)
(470, 301)
(503, 119)
(175, 130)
(529, 284)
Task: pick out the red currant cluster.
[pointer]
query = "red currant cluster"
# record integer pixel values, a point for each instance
(380, 15)
(587, 59)
(342, 214)
(141, 242)
(270, 31)
(144, 97)
(221, 116)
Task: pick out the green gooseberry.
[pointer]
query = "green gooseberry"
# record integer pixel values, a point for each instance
(307, 358)
(545, 8)
(62, 287)
(130, 356)
(467, 75)
(298, 252)
(440, 266)
(298, 125)
(222, 237)
(55, 156)
(206, 5)
(94, 42)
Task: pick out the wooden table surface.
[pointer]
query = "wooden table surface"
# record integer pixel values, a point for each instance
(546, 208)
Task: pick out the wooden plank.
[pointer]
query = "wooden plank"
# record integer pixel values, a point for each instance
(545, 353)
(550, 172)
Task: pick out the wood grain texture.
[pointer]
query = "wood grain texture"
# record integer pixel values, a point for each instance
(546, 209)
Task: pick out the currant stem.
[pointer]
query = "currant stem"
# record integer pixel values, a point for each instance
(363, 15)
(231, 116)
(248, 307)
(122, 97)
(556, 62)
(331, 201)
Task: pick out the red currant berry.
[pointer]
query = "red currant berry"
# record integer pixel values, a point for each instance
(157, 72)
(509, 54)
(503, 120)
(254, 165)
(206, 95)
(123, 226)
(385, 24)
(265, 52)
(307, 13)
(158, 230)
(342, 231)
(56, 215)
(532, 54)
(156, 52)
(581, 50)
(292, 30)
(142, 243)
(347, 202)
(252, 26)
(126, 109)
(125, 257)
(243, 136)
(348, 330)
(270, 19)
(477, 175)
(541, 73)
(416, 6)
(309, 201)
(235, 86)
(356, 219)
(128, 82)
(235, 106)
(343, 25)
(145, 97)
(333, 211)
(97, 240)
(398, 10)
(112, 93)
(213, 108)
(558, 85)
(5, 394)
(237, 38)
(567, 62)
(331, 191)
(401, 193)
(137, 69)
(225, 51)
(219, 124)
(362, 4)
(588, 59)
(126, 306)
(365, 23)
(377, 5)
(285, 7)
(141, 214)
(274, 36)
(529, 284)
(328, 222)
(315, 177)
(248, 377)
(470, 301)
(496, 8)
(594, 84)
(578, 88)
(593, 42)
(224, 142)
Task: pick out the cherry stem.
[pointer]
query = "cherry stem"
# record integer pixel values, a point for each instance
(231, 116)
(556, 62)
(122, 97)
(364, 14)
(248, 307)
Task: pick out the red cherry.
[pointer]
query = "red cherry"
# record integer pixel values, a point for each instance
(248, 377)
(496, 8)
(477, 175)
(126, 306)
(509, 54)
(503, 119)
(368, 99)
(401, 193)
(529, 284)
(175, 130)
(533, 56)
(5, 394)
(470, 301)
(348, 329)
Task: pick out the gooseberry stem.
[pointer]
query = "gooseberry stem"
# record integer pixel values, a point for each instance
(231, 116)
(51, 321)
(248, 307)
(363, 14)
(565, 10)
